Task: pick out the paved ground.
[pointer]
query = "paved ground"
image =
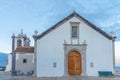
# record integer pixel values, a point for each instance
(66, 78)
(6, 76)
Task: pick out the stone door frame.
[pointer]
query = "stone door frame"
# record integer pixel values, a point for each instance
(81, 48)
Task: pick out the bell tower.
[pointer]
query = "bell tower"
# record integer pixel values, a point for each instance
(20, 40)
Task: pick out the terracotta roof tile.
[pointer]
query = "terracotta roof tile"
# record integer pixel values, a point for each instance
(25, 49)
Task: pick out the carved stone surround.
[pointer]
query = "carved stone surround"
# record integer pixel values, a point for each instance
(81, 48)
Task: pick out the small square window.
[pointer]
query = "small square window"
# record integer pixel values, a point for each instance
(91, 65)
(54, 65)
(24, 60)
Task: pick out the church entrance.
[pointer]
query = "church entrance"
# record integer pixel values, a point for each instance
(74, 63)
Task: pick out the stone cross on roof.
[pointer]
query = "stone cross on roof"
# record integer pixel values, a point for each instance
(73, 9)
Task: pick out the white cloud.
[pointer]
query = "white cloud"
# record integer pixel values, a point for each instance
(117, 53)
(110, 21)
(93, 6)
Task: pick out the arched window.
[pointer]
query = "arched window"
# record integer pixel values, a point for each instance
(19, 42)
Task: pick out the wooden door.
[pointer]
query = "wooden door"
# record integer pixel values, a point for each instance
(74, 63)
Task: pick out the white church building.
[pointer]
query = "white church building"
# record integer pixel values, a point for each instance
(73, 46)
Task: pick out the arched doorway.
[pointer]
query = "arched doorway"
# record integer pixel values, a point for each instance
(74, 63)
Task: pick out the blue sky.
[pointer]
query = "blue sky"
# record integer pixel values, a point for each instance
(31, 15)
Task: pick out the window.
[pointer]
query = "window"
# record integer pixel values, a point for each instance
(24, 60)
(54, 65)
(91, 64)
(19, 42)
(74, 31)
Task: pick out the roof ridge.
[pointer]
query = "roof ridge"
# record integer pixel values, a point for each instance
(95, 27)
(80, 17)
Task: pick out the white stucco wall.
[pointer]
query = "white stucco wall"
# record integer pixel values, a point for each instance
(50, 49)
(99, 51)
(27, 67)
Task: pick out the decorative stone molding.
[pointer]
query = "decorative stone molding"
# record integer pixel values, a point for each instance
(81, 48)
(74, 23)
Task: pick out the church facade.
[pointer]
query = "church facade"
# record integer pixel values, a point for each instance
(73, 46)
